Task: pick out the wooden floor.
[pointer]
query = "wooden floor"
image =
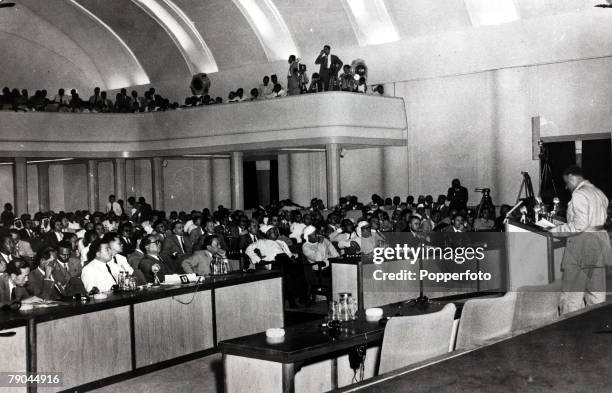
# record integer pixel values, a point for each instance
(203, 375)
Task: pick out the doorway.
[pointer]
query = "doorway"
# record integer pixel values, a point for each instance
(556, 156)
(260, 183)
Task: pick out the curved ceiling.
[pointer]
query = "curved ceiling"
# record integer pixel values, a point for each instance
(130, 42)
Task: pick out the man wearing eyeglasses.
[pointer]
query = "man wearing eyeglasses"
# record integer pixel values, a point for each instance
(153, 261)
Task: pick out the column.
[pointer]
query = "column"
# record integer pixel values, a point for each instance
(300, 178)
(237, 180)
(120, 179)
(284, 177)
(263, 181)
(157, 177)
(92, 185)
(221, 182)
(332, 159)
(20, 186)
(43, 187)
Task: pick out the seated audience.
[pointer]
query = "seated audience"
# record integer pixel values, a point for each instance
(97, 273)
(13, 282)
(263, 252)
(199, 262)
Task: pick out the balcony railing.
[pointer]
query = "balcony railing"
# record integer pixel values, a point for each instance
(298, 121)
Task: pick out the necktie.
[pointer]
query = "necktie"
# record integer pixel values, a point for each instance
(180, 238)
(109, 271)
(13, 294)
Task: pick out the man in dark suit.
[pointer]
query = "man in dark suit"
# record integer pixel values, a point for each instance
(55, 235)
(68, 264)
(12, 284)
(197, 233)
(7, 250)
(27, 233)
(136, 256)
(176, 246)
(250, 237)
(125, 236)
(41, 282)
(151, 246)
(457, 196)
(329, 66)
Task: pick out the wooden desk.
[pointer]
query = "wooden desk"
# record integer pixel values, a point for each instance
(570, 355)
(129, 334)
(357, 276)
(308, 359)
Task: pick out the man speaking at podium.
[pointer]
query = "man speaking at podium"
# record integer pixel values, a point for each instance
(588, 249)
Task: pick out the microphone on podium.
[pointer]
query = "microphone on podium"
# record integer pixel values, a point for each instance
(511, 210)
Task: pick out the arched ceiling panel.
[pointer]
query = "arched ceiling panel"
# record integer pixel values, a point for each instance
(226, 32)
(36, 55)
(116, 64)
(371, 21)
(151, 44)
(314, 23)
(416, 18)
(269, 26)
(183, 32)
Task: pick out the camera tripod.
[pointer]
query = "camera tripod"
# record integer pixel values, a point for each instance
(528, 187)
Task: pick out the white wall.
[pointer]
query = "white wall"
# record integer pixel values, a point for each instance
(477, 127)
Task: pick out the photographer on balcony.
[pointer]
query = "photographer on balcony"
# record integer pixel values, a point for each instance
(329, 67)
(297, 80)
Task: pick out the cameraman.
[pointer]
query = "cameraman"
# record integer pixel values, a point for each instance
(457, 196)
(329, 67)
(293, 83)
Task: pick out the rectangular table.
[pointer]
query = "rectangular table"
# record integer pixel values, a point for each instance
(132, 333)
(308, 359)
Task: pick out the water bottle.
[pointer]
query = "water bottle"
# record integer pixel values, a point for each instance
(225, 265)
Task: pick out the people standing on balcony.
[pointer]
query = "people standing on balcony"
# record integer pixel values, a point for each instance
(329, 65)
(76, 103)
(265, 89)
(61, 101)
(293, 80)
(315, 85)
(95, 101)
(347, 79)
(135, 102)
(274, 80)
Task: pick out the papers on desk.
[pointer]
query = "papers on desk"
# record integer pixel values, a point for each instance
(544, 223)
(178, 279)
(36, 302)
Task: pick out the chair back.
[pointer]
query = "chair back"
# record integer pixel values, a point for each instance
(485, 319)
(412, 339)
(536, 306)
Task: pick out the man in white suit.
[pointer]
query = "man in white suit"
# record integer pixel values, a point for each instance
(588, 249)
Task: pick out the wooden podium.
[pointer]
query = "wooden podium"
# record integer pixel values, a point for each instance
(533, 255)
